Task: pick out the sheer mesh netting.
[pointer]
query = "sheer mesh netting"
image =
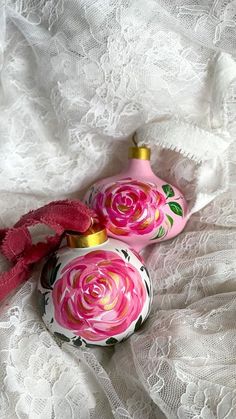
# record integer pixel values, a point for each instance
(77, 79)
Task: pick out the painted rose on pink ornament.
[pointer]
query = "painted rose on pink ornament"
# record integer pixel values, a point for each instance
(98, 295)
(129, 207)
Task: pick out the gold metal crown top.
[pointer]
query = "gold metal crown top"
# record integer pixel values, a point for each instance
(95, 235)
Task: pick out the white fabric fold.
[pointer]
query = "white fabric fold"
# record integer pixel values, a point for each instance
(78, 78)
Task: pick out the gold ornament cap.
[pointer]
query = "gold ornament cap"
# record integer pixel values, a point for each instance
(95, 235)
(140, 153)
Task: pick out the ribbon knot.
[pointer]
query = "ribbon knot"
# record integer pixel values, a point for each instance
(16, 242)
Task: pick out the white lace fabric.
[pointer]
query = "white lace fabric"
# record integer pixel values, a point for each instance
(77, 79)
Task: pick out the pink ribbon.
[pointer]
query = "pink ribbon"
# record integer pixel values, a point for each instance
(16, 242)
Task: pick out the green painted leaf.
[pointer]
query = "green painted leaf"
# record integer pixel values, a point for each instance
(54, 274)
(161, 233)
(61, 336)
(138, 323)
(147, 287)
(168, 191)
(49, 272)
(125, 253)
(77, 342)
(143, 268)
(90, 345)
(170, 219)
(111, 341)
(176, 208)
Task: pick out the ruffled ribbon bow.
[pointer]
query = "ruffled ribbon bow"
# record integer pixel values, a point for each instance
(16, 242)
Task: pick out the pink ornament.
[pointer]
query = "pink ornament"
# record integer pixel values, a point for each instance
(96, 291)
(136, 206)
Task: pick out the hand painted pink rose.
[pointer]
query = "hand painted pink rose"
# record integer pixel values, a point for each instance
(129, 207)
(98, 295)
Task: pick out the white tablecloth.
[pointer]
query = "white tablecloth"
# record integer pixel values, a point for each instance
(77, 79)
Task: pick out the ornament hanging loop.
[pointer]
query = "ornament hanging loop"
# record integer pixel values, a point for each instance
(134, 139)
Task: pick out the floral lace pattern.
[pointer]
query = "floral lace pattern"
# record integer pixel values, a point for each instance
(77, 79)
